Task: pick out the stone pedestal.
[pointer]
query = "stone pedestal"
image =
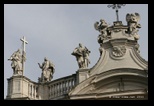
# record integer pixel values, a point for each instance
(17, 87)
(20, 87)
(82, 74)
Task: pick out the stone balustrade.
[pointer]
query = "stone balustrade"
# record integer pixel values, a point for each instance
(33, 91)
(25, 88)
(61, 86)
(55, 88)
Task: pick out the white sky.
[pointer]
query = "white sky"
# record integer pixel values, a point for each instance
(54, 30)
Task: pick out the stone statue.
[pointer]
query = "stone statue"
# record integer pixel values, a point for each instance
(103, 29)
(47, 70)
(82, 56)
(16, 64)
(132, 22)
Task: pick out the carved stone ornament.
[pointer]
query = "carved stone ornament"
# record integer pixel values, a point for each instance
(82, 56)
(103, 29)
(133, 25)
(102, 37)
(137, 48)
(119, 51)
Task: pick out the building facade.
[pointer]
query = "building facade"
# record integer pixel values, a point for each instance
(120, 73)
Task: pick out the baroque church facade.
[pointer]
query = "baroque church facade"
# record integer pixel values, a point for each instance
(120, 72)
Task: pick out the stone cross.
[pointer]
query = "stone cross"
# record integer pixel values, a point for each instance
(116, 6)
(24, 42)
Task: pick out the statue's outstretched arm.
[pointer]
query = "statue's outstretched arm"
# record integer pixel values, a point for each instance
(39, 65)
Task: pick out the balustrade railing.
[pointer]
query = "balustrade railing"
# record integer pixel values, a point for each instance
(61, 86)
(56, 88)
(33, 91)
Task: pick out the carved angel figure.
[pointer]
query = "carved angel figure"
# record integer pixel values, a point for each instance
(132, 22)
(103, 29)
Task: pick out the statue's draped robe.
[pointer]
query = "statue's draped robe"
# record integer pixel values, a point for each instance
(82, 54)
(47, 70)
(16, 62)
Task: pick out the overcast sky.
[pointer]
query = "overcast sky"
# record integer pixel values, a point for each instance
(54, 30)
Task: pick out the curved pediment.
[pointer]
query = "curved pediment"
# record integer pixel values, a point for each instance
(118, 54)
(113, 81)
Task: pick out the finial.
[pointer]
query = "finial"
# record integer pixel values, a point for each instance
(116, 6)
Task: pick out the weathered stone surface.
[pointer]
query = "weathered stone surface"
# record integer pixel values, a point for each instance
(120, 72)
(16, 64)
(82, 56)
(48, 69)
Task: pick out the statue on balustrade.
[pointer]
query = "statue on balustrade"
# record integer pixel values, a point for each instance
(16, 64)
(82, 56)
(48, 70)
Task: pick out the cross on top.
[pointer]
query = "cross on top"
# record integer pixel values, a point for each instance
(23, 51)
(116, 7)
(24, 42)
